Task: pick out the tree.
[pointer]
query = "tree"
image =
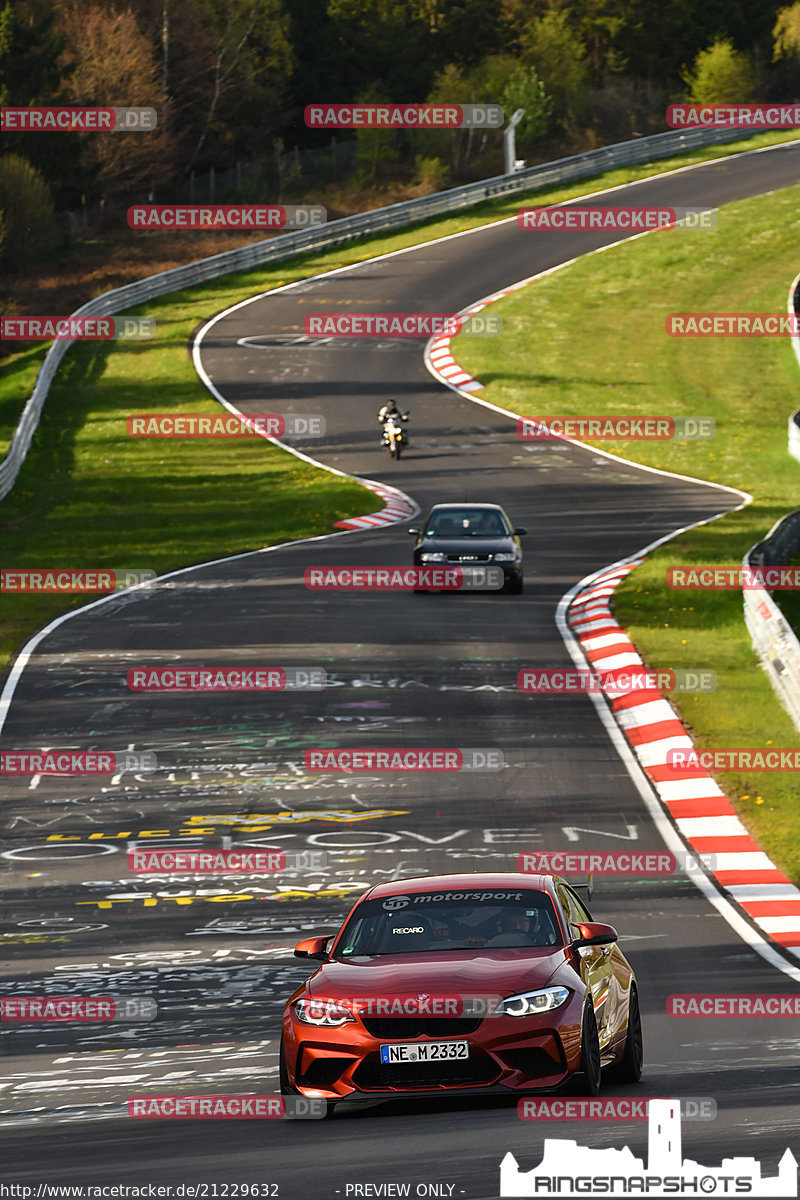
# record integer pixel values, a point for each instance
(720, 75)
(556, 53)
(786, 33)
(524, 89)
(108, 61)
(27, 220)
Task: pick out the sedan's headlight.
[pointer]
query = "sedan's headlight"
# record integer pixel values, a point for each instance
(429, 558)
(504, 557)
(321, 1012)
(529, 1003)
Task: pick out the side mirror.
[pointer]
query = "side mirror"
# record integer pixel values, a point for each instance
(314, 947)
(412, 530)
(521, 531)
(594, 933)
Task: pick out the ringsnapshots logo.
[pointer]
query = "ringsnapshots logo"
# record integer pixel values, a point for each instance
(75, 762)
(386, 324)
(56, 579)
(625, 219)
(235, 425)
(617, 1108)
(620, 681)
(621, 862)
(404, 116)
(76, 328)
(225, 1108)
(734, 116)
(355, 759)
(226, 216)
(615, 428)
(739, 758)
(733, 1005)
(717, 324)
(226, 679)
(77, 120)
(77, 1009)
(405, 579)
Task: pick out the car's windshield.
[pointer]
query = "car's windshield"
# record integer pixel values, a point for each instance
(453, 920)
(472, 522)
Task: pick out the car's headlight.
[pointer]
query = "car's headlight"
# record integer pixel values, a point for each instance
(321, 1012)
(437, 557)
(504, 557)
(528, 1003)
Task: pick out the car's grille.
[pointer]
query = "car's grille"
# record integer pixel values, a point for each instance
(405, 1028)
(373, 1075)
(478, 558)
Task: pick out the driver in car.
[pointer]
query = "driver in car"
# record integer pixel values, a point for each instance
(514, 925)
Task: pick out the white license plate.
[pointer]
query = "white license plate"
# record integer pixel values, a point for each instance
(423, 1051)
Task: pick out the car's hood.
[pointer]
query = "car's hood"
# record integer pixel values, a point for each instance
(447, 973)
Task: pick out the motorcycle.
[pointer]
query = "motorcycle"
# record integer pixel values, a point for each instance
(394, 438)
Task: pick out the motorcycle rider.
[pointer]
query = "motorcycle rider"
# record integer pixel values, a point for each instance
(389, 410)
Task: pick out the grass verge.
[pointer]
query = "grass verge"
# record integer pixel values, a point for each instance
(614, 356)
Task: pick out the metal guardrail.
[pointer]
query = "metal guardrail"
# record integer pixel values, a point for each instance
(578, 166)
(775, 642)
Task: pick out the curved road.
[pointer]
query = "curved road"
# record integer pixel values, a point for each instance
(434, 670)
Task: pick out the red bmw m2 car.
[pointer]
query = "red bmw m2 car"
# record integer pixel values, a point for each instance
(469, 984)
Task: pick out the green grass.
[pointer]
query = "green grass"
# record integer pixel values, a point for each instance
(590, 339)
(89, 496)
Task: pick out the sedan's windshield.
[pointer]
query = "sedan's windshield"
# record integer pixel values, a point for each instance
(472, 522)
(466, 920)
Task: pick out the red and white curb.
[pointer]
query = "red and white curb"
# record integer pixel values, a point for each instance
(699, 809)
(399, 507)
(438, 356)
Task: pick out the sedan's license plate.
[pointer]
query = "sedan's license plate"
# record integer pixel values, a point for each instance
(423, 1051)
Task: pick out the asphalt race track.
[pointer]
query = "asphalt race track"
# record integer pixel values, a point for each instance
(433, 670)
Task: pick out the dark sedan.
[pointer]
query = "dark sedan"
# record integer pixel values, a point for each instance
(471, 535)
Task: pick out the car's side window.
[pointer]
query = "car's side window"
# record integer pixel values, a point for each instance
(574, 910)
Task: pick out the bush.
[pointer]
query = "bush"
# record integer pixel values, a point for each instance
(27, 221)
(432, 174)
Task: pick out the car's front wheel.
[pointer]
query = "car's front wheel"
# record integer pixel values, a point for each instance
(590, 1053)
(630, 1065)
